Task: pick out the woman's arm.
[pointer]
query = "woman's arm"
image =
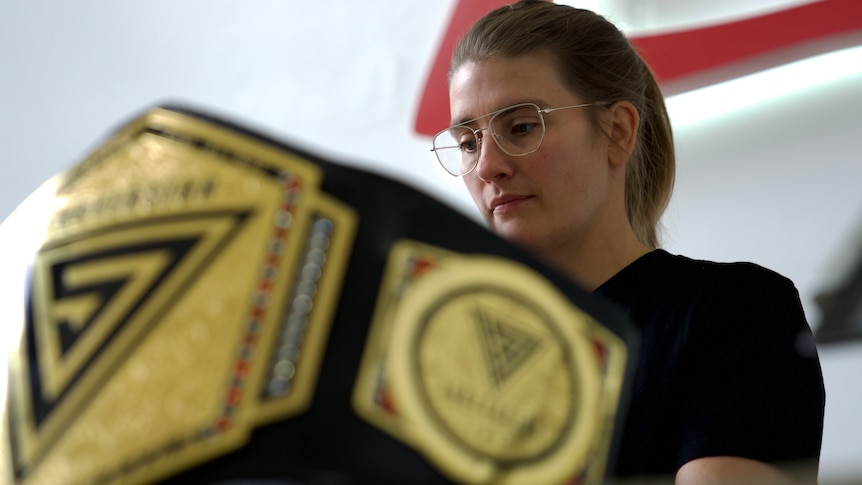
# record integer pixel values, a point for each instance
(732, 470)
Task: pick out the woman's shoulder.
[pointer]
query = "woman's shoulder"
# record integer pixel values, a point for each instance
(677, 283)
(742, 298)
(691, 271)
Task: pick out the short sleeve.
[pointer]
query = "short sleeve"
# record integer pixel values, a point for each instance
(756, 386)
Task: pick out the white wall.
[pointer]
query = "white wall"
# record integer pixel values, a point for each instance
(663, 15)
(775, 183)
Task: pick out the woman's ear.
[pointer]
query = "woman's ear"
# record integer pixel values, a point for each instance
(624, 119)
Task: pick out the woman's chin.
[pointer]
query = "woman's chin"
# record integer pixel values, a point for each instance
(523, 238)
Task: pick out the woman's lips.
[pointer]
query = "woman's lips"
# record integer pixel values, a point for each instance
(506, 203)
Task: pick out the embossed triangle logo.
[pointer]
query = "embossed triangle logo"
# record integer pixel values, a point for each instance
(93, 298)
(505, 346)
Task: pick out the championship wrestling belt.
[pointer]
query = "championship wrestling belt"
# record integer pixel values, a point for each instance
(209, 306)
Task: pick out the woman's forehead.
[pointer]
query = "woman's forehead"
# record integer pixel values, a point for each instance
(480, 87)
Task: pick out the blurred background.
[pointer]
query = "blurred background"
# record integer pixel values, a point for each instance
(765, 97)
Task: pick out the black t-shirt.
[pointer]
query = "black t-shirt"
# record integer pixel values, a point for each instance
(727, 365)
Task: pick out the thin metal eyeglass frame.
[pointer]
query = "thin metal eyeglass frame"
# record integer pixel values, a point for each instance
(493, 115)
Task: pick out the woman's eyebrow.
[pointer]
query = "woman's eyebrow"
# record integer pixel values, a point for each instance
(465, 120)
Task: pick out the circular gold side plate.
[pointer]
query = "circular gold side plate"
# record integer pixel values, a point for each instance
(494, 369)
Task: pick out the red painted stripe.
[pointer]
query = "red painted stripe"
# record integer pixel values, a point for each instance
(678, 56)
(433, 114)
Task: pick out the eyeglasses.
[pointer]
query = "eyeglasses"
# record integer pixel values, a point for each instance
(518, 130)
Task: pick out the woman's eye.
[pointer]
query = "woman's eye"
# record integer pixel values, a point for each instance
(468, 146)
(522, 128)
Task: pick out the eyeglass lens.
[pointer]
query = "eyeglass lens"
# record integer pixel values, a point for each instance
(517, 130)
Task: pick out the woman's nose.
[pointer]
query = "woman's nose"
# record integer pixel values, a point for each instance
(493, 163)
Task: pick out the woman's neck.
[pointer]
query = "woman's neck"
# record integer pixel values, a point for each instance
(592, 263)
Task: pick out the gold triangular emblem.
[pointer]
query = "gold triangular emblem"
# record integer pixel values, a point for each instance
(101, 291)
(504, 346)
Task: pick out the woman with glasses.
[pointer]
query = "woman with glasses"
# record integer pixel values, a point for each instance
(561, 136)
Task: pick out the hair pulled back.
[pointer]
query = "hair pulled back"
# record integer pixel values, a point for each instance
(595, 60)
